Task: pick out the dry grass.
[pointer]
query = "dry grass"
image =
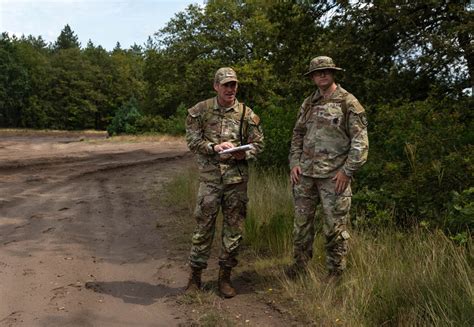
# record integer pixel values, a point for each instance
(208, 308)
(47, 132)
(412, 278)
(145, 138)
(91, 133)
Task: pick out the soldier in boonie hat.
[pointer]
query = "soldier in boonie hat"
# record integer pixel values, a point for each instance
(321, 63)
(329, 145)
(225, 75)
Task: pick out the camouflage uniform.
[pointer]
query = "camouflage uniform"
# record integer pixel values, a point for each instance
(329, 135)
(223, 180)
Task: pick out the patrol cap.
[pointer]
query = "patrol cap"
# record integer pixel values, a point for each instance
(225, 75)
(320, 63)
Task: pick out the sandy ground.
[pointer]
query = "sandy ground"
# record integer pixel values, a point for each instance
(79, 243)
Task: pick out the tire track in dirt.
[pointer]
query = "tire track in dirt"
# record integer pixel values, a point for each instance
(88, 224)
(79, 243)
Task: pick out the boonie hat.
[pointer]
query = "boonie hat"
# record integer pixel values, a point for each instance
(225, 75)
(320, 63)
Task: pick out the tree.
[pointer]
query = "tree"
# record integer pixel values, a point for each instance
(66, 39)
(35, 58)
(386, 43)
(117, 48)
(72, 80)
(196, 42)
(14, 83)
(101, 78)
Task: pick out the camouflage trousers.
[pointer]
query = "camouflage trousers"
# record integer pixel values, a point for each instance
(308, 193)
(211, 197)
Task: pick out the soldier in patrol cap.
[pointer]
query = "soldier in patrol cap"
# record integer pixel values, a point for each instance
(328, 146)
(212, 126)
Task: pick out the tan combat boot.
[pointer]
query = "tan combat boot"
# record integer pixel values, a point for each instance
(194, 282)
(225, 287)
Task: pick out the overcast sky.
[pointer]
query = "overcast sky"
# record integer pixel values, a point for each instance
(103, 21)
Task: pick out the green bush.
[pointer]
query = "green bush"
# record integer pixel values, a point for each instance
(125, 119)
(277, 124)
(374, 210)
(461, 211)
(151, 124)
(174, 125)
(420, 152)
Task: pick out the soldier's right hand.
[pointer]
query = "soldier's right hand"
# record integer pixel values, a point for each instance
(223, 146)
(295, 175)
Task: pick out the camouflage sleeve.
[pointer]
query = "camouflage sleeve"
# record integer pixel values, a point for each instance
(299, 132)
(194, 133)
(357, 128)
(255, 135)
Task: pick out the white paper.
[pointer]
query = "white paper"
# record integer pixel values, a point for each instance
(245, 147)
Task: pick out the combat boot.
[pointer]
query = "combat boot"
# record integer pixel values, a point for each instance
(194, 282)
(225, 286)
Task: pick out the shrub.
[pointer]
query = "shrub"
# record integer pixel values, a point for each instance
(461, 212)
(174, 125)
(277, 124)
(420, 152)
(125, 119)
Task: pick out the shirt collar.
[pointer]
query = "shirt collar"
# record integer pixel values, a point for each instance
(233, 107)
(335, 95)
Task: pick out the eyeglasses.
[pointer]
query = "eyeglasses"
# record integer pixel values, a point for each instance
(321, 73)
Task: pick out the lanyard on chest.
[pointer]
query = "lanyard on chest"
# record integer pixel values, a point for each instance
(222, 115)
(242, 124)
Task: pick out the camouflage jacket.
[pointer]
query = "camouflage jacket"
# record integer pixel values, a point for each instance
(330, 135)
(209, 124)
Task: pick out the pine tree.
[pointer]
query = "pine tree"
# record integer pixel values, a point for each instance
(66, 39)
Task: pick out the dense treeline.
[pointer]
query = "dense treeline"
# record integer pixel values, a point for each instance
(411, 64)
(62, 86)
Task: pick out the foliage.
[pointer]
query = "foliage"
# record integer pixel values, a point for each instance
(277, 125)
(174, 125)
(383, 44)
(61, 86)
(461, 213)
(14, 83)
(125, 119)
(67, 39)
(411, 64)
(420, 153)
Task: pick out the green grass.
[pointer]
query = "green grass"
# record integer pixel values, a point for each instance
(408, 278)
(181, 191)
(269, 224)
(416, 279)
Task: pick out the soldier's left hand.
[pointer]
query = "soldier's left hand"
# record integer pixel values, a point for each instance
(239, 155)
(223, 146)
(342, 181)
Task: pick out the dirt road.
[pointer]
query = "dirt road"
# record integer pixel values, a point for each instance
(78, 239)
